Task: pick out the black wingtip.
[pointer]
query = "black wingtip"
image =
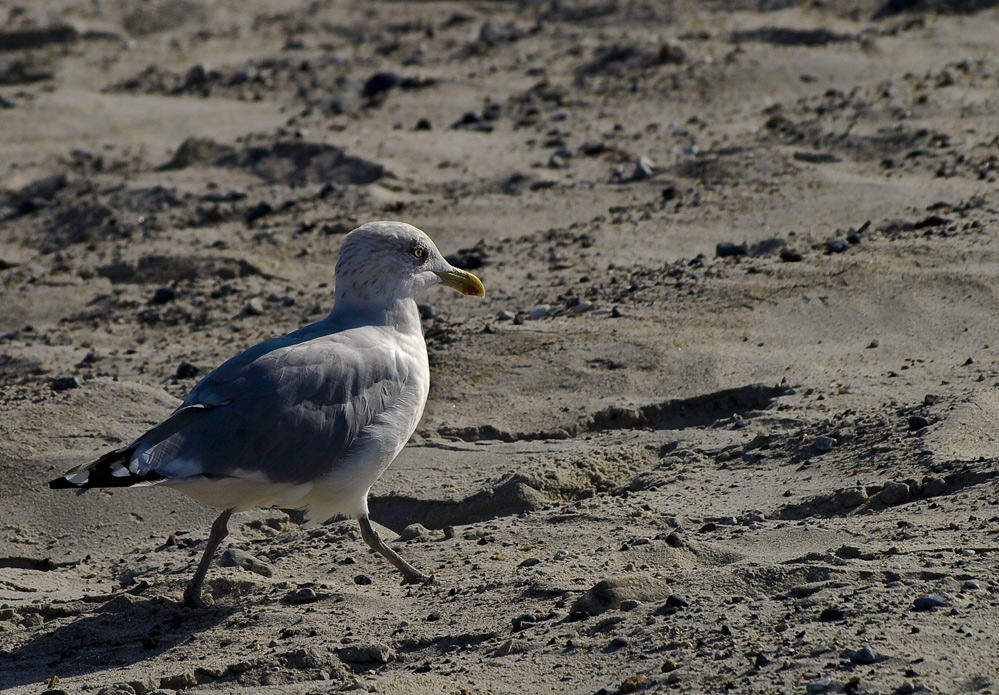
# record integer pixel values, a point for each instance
(62, 484)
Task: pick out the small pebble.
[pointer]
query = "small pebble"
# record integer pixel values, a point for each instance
(917, 422)
(163, 295)
(863, 655)
(616, 312)
(412, 532)
(539, 312)
(629, 604)
(254, 307)
(582, 307)
(929, 602)
(524, 621)
(64, 383)
(186, 370)
(644, 168)
(234, 557)
(668, 665)
(824, 443)
(676, 601)
(506, 315)
(837, 246)
(819, 686)
(560, 555)
(674, 539)
(362, 580)
(726, 249)
(761, 660)
(830, 615)
(299, 596)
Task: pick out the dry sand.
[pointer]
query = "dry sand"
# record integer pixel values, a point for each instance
(766, 467)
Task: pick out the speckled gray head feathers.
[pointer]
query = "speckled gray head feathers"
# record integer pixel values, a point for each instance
(382, 262)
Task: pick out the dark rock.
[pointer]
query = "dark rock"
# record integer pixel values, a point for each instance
(817, 157)
(377, 86)
(197, 150)
(468, 259)
(423, 124)
(186, 370)
(929, 602)
(675, 539)
(64, 383)
(299, 163)
(676, 601)
(474, 122)
(787, 36)
(836, 246)
(163, 295)
(726, 249)
(261, 209)
(918, 422)
(931, 221)
(36, 37)
(362, 580)
(789, 255)
(831, 615)
(299, 596)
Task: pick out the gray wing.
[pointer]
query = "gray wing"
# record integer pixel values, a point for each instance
(287, 410)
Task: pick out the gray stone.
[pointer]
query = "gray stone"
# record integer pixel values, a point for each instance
(539, 312)
(179, 681)
(929, 602)
(234, 557)
(377, 653)
(894, 493)
(254, 307)
(851, 497)
(864, 655)
(824, 443)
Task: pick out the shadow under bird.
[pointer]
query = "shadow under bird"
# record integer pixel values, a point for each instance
(311, 419)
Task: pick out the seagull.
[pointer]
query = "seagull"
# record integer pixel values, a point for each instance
(308, 420)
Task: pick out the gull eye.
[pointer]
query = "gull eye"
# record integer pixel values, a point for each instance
(419, 253)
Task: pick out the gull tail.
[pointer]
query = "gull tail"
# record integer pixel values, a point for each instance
(113, 470)
(110, 470)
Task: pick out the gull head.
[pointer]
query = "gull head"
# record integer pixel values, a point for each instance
(383, 262)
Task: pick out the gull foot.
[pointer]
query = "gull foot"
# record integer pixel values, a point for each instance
(193, 599)
(417, 577)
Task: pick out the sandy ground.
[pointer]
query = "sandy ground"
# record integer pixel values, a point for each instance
(725, 421)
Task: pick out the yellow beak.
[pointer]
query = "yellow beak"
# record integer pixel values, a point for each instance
(463, 281)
